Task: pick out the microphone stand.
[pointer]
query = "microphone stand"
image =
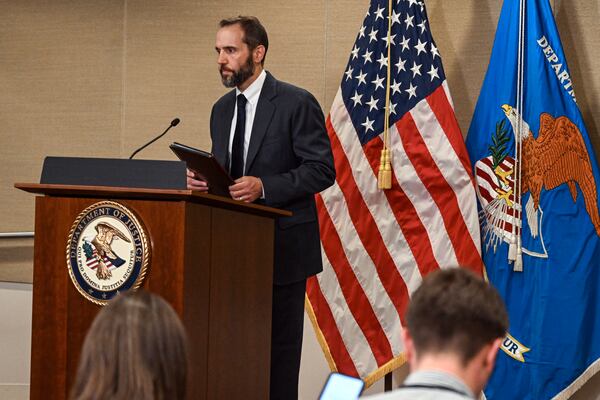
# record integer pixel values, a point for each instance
(173, 123)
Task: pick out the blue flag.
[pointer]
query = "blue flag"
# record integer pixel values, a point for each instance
(537, 180)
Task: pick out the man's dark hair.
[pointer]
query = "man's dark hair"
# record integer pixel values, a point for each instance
(455, 311)
(254, 33)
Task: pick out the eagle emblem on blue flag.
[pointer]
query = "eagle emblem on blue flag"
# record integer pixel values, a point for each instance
(537, 178)
(556, 156)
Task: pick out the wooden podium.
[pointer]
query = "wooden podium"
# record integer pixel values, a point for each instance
(212, 260)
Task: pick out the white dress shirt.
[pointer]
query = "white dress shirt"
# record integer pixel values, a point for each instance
(252, 93)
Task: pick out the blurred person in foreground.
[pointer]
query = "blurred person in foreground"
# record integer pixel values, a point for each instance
(455, 324)
(135, 349)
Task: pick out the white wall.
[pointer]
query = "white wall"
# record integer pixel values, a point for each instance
(15, 340)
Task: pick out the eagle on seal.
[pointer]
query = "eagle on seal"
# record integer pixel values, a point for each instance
(558, 155)
(104, 237)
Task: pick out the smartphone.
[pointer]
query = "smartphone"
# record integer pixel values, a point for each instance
(341, 387)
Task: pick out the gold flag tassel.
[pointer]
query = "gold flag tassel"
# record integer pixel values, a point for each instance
(384, 177)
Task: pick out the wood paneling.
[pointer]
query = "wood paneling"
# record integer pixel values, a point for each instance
(240, 295)
(212, 264)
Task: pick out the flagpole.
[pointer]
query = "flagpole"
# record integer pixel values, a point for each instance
(384, 179)
(518, 267)
(387, 382)
(515, 250)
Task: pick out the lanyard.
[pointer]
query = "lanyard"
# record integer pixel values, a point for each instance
(436, 387)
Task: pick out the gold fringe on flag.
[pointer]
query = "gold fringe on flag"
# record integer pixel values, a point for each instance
(384, 178)
(370, 379)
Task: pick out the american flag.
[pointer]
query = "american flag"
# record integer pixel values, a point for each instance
(92, 262)
(378, 245)
(498, 212)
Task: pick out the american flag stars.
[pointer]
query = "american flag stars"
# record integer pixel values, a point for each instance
(356, 98)
(416, 69)
(348, 73)
(405, 43)
(373, 35)
(378, 81)
(361, 78)
(395, 18)
(420, 46)
(379, 13)
(382, 61)
(395, 87)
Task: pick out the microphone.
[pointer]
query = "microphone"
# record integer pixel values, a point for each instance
(175, 122)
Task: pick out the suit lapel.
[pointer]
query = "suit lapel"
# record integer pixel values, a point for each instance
(262, 118)
(223, 130)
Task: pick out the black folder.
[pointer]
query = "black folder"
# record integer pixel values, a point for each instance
(206, 166)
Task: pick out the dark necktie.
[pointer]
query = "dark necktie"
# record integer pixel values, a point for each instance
(237, 148)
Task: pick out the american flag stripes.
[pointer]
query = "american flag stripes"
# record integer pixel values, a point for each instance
(500, 209)
(93, 262)
(377, 245)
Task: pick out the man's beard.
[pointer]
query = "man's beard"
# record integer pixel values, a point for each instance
(240, 76)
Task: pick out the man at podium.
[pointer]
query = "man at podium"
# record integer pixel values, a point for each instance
(271, 137)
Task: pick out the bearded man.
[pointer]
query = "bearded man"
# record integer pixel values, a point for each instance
(271, 137)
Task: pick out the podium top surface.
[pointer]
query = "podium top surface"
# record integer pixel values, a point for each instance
(150, 194)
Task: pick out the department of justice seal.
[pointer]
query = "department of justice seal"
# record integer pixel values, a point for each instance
(107, 251)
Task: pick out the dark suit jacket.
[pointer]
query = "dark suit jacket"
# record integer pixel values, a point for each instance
(290, 152)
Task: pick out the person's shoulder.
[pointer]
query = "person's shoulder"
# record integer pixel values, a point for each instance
(289, 91)
(226, 98)
(419, 394)
(288, 88)
(394, 395)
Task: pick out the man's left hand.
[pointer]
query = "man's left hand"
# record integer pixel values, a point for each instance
(246, 189)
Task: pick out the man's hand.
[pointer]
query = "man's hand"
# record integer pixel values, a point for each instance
(195, 183)
(246, 189)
